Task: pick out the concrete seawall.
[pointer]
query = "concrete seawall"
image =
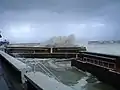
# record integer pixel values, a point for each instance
(14, 70)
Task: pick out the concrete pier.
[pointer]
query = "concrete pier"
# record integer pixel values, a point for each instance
(45, 52)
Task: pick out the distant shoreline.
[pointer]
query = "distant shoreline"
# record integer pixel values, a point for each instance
(104, 42)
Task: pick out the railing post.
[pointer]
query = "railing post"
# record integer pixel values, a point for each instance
(34, 52)
(51, 50)
(76, 55)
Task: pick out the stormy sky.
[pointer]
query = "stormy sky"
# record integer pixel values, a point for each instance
(38, 20)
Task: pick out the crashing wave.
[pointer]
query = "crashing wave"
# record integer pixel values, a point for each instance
(61, 41)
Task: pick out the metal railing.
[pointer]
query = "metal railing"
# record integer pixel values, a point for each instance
(99, 62)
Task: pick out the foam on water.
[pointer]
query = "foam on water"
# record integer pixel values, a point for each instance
(72, 77)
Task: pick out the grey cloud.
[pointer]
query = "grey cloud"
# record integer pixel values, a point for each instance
(57, 5)
(60, 17)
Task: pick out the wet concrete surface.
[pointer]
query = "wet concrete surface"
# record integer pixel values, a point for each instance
(70, 76)
(3, 83)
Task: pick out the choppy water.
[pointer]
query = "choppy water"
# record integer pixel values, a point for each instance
(70, 76)
(108, 48)
(74, 78)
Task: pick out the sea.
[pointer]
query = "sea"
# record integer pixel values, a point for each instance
(113, 49)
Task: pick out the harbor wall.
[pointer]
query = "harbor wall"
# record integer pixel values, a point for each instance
(60, 56)
(14, 67)
(10, 70)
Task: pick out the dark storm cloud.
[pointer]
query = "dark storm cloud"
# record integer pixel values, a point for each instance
(53, 4)
(59, 17)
